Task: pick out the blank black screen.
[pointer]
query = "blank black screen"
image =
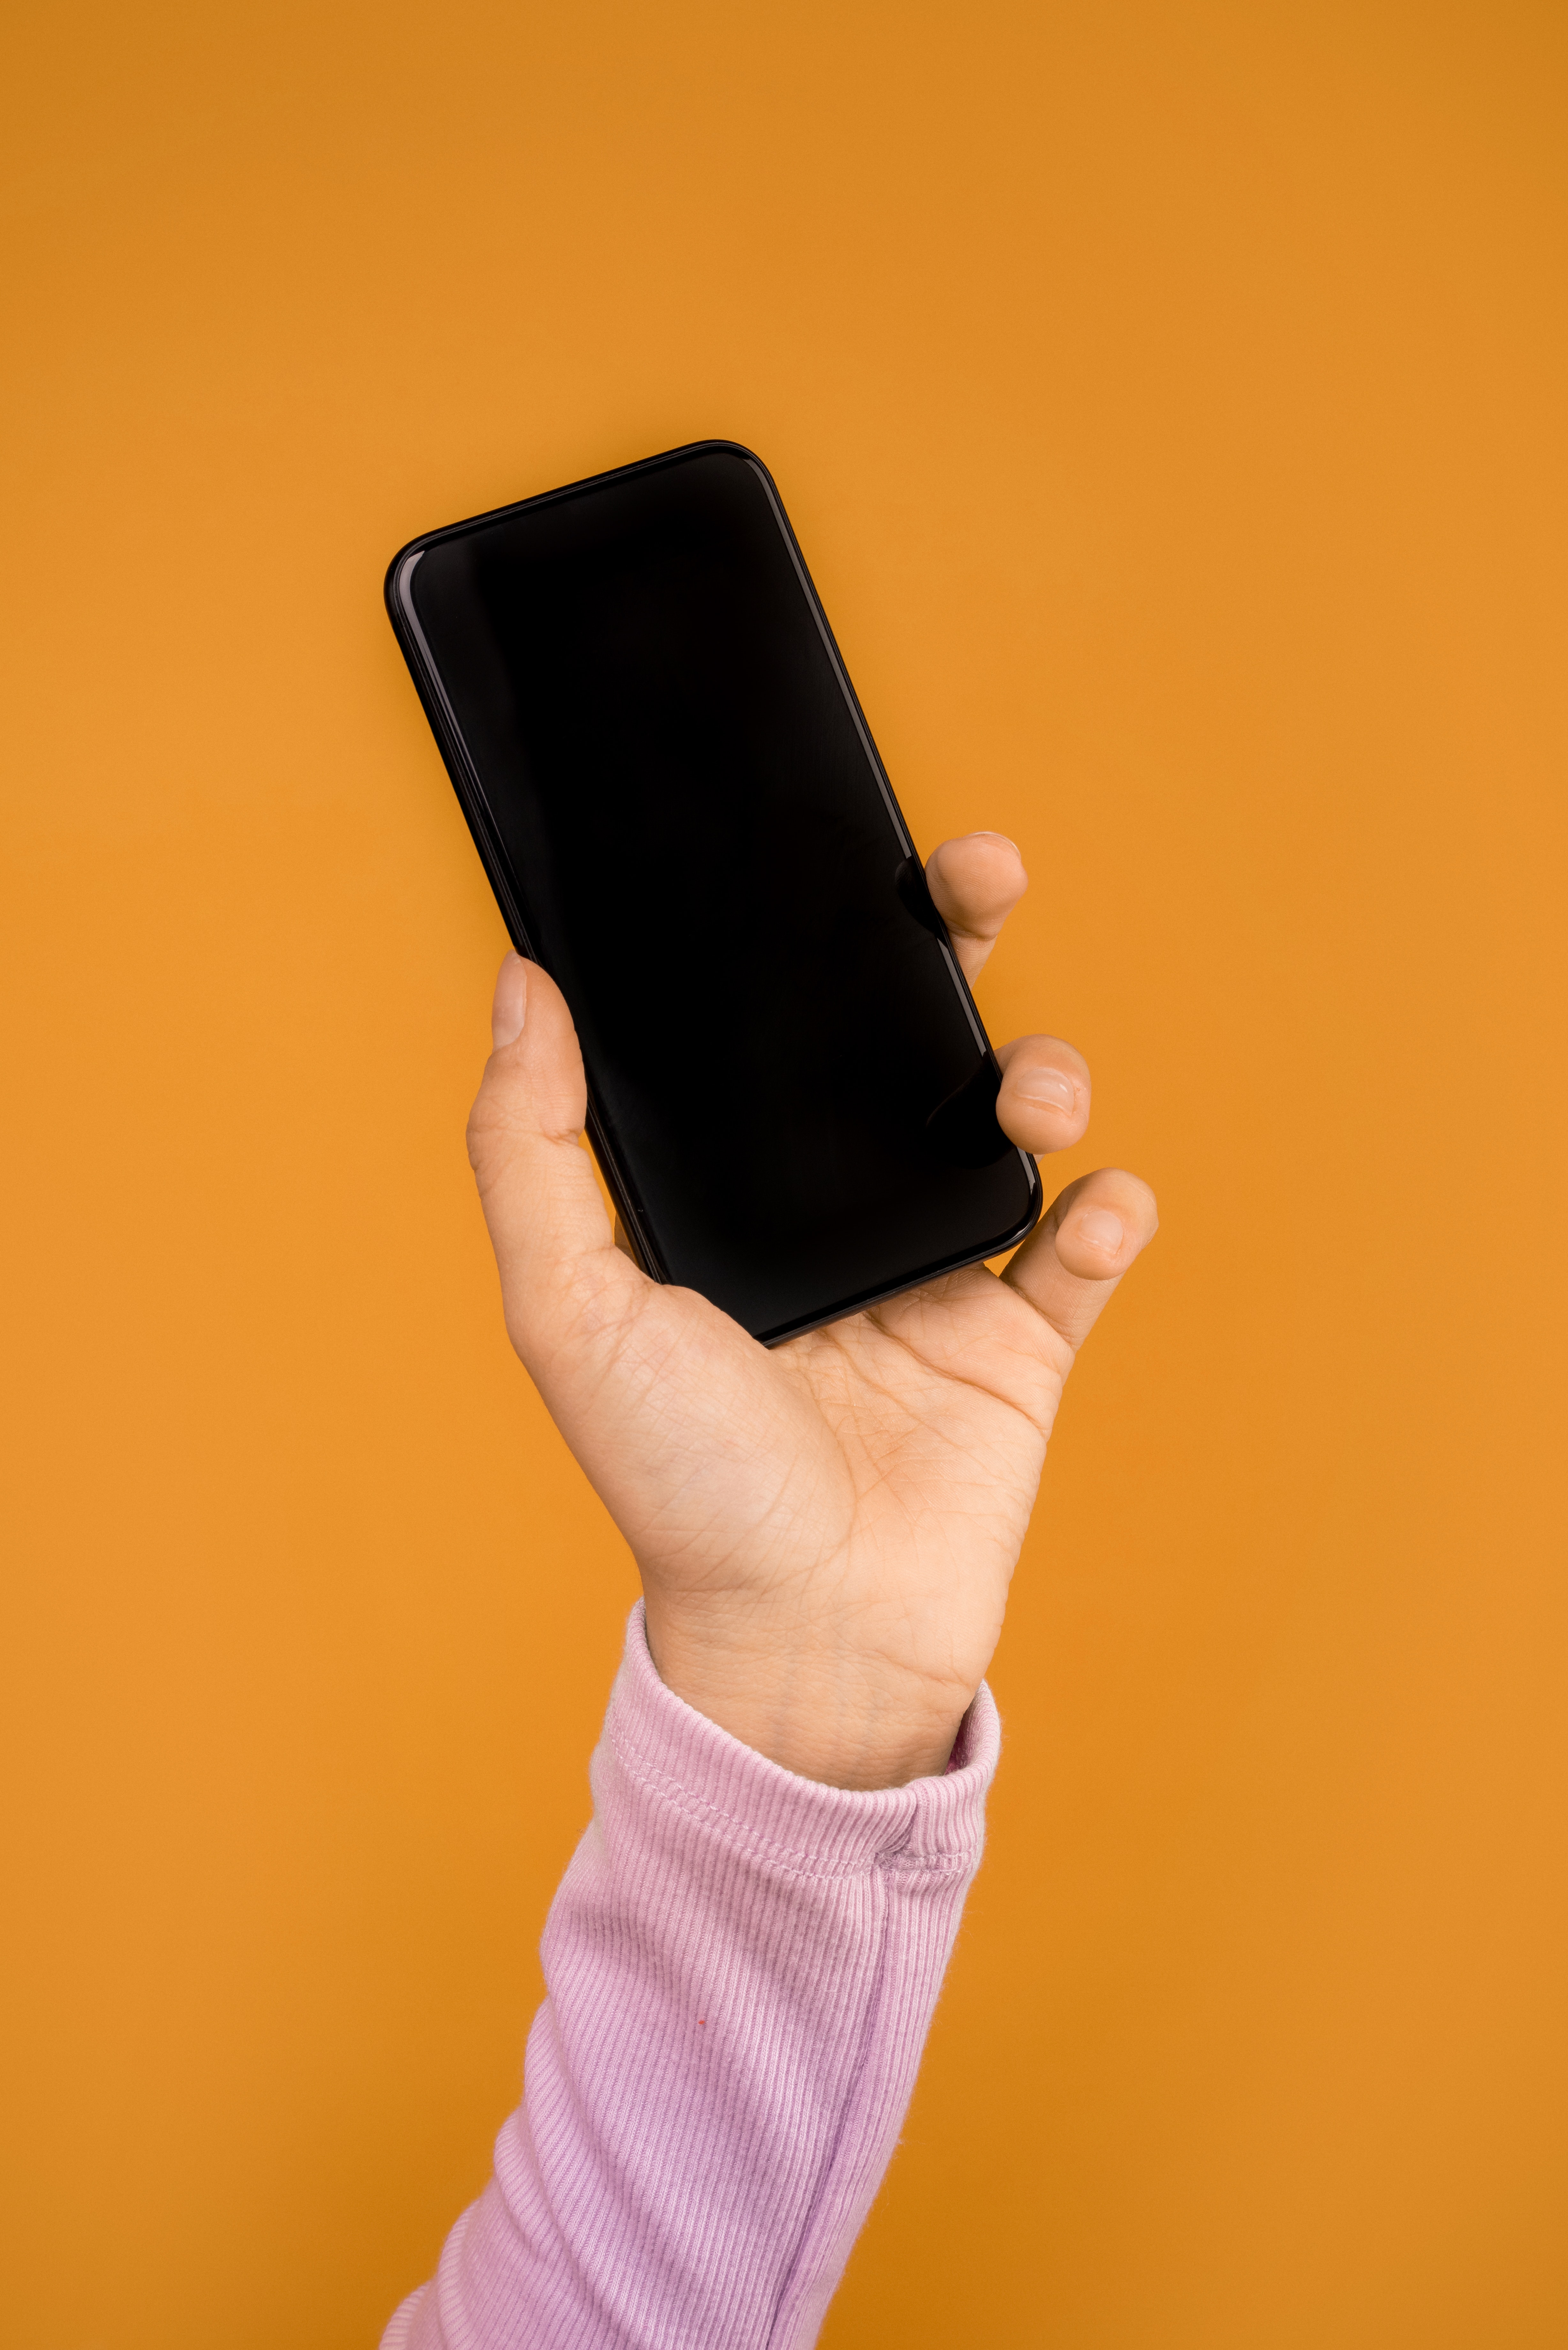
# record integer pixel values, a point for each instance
(789, 1084)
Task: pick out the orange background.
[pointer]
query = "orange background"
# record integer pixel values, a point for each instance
(1170, 399)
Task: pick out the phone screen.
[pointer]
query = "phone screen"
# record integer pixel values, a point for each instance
(686, 824)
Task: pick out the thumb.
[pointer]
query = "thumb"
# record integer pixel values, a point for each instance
(554, 1246)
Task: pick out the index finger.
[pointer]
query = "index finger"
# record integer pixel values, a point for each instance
(975, 882)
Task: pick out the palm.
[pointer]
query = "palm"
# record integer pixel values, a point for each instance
(826, 1531)
(883, 1468)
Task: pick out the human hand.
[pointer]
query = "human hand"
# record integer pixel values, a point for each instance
(825, 1529)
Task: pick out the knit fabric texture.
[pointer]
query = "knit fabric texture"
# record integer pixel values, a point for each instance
(741, 1969)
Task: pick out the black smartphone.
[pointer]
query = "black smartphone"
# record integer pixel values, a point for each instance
(685, 821)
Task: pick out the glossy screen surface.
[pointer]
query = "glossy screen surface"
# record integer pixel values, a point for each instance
(789, 1084)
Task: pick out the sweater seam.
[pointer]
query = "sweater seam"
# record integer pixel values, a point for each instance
(787, 2301)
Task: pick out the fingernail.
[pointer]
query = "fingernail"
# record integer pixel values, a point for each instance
(1100, 1229)
(511, 1004)
(1048, 1087)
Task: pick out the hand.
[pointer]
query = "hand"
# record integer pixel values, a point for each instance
(826, 1531)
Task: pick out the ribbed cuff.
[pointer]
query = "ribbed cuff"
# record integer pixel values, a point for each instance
(789, 1822)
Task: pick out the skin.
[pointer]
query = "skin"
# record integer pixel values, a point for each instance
(826, 1531)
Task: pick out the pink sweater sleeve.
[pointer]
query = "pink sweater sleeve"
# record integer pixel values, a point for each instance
(741, 1968)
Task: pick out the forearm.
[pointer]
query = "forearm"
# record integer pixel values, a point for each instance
(742, 1967)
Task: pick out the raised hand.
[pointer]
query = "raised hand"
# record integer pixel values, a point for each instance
(826, 1531)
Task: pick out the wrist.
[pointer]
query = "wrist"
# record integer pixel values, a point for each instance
(842, 1715)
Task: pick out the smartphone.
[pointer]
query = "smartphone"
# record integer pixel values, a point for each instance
(685, 821)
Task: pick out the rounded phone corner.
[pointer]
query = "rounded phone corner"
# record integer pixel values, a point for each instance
(1019, 1233)
(400, 571)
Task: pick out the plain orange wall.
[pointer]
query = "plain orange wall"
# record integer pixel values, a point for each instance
(1169, 395)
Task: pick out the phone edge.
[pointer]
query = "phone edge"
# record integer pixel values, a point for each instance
(469, 791)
